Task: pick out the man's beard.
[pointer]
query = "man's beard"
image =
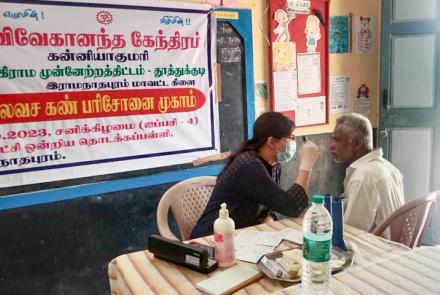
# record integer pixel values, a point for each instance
(339, 161)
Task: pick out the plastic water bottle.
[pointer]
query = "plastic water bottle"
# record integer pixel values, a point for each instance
(317, 232)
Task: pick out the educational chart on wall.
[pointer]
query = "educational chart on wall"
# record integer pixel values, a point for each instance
(364, 32)
(299, 59)
(340, 92)
(339, 34)
(91, 89)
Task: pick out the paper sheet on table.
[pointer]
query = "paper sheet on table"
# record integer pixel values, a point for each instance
(251, 245)
(251, 252)
(264, 238)
(294, 236)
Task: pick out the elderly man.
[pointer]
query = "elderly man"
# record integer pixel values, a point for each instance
(373, 187)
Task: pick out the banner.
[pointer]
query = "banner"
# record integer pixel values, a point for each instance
(89, 89)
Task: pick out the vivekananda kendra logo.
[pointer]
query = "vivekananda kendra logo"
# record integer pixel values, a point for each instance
(104, 17)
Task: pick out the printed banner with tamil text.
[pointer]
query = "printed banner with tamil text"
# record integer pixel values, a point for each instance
(91, 89)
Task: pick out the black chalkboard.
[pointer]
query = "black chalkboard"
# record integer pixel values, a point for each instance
(230, 56)
(232, 113)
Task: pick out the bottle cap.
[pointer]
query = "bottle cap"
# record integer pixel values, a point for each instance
(224, 213)
(317, 199)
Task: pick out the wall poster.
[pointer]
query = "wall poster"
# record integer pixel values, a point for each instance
(90, 89)
(339, 35)
(299, 59)
(340, 93)
(364, 33)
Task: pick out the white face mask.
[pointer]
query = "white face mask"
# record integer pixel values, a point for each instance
(288, 154)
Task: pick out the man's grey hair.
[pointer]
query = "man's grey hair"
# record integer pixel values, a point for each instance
(355, 125)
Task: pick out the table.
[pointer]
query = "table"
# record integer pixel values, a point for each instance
(142, 273)
(413, 272)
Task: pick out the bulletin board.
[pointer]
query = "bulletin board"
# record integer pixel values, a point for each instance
(299, 60)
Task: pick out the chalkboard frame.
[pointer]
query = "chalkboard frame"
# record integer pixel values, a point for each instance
(241, 20)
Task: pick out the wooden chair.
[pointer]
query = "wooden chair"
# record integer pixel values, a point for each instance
(408, 223)
(187, 200)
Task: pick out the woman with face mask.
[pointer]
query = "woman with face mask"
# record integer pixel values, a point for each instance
(250, 181)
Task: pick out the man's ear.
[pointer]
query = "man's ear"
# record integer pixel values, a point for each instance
(358, 143)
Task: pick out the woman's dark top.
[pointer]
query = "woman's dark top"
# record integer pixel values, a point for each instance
(250, 187)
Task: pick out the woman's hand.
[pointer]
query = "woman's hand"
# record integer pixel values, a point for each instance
(268, 219)
(308, 154)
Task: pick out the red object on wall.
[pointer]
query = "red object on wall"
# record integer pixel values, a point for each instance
(97, 103)
(363, 91)
(319, 8)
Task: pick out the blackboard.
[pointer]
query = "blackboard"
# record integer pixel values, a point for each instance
(233, 109)
(230, 56)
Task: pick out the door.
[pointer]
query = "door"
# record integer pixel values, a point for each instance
(409, 130)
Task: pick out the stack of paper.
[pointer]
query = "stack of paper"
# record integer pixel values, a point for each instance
(251, 245)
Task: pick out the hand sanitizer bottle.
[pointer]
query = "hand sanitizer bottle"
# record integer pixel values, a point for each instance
(224, 228)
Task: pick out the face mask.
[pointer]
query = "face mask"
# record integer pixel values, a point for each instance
(288, 154)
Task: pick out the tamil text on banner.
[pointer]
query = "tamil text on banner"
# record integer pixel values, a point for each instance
(90, 89)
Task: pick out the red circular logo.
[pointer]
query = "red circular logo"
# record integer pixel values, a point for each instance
(104, 17)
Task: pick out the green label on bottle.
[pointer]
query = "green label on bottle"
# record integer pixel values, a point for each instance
(317, 251)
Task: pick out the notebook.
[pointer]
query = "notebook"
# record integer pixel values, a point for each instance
(231, 279)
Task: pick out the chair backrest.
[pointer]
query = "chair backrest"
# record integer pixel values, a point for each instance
(187, 200)
(408, 223)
